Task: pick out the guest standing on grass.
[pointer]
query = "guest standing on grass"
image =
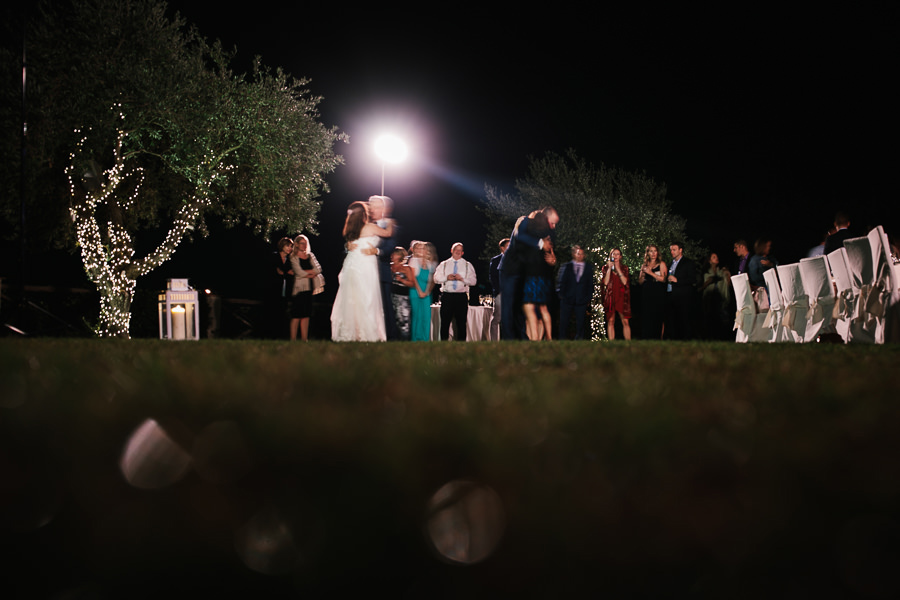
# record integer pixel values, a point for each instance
(680, 292)
(308, 281)
(616, 294)
(538, 282)
(281, 284)
(494, 271)
(653, 294)
(715, 300)
(455, 276)
(403, 280)
(576, 289)
(422, 264)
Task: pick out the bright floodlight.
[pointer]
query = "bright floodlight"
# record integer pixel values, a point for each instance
(390, 149)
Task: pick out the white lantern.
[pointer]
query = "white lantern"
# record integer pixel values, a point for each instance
(179, 317)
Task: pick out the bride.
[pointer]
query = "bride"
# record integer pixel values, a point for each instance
(357, 312)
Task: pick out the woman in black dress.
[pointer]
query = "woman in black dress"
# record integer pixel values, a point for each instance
(278, 293)
(538, 280)
(305, 268)
(653, 294)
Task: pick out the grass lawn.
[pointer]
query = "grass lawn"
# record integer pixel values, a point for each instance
(566, 469)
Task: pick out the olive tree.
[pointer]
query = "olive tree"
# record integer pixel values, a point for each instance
(150, 126)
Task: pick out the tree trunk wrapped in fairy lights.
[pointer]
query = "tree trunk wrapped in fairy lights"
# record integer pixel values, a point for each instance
(165, 134)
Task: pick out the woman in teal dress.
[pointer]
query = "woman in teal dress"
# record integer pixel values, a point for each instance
(423, 262)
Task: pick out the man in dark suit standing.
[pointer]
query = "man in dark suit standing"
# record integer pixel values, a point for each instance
(680, 292)
(380, 208)
(576, 288)
(495, 290)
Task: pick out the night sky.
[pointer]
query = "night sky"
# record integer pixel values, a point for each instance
(760, 121)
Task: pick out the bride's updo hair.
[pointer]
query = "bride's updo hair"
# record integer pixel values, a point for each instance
(356, 220)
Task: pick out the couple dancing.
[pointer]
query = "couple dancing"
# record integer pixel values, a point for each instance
(358, 313)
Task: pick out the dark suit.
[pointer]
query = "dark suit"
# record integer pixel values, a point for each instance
(836, 240)
(494, 271)
(681, 300)
(512, 278)
(385, 248)
(575, 296)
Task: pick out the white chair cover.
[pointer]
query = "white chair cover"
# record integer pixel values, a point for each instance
(892, 311)
(884, 296)
(775, 315)
(796, 302)
(747, 321)
(863, 324)
(845, 301)
(816, 280)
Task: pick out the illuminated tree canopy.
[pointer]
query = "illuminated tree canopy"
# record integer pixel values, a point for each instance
(135, 120)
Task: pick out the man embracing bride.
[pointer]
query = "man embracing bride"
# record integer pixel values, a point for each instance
(357, 314)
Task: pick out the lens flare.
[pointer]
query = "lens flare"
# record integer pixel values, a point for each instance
(151, 459)
(465, 521)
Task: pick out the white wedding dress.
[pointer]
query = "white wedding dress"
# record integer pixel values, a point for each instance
(357, 313)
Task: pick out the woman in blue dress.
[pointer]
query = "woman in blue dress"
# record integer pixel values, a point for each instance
(422, 263)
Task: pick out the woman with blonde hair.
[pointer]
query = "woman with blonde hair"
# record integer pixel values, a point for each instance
(307, 281)
(422, 263)
(616, 294)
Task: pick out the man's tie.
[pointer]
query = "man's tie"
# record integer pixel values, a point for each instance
(455, 263)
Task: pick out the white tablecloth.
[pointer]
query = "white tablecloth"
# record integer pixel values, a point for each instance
(478, 323)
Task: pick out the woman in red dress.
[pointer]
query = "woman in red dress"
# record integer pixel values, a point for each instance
(616, 294)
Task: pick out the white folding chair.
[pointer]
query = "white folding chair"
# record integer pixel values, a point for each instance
(884, 293)
(816, 280)
(863, 323)
(747, 321)
(772, 322)
(845, 301)
(796, 302)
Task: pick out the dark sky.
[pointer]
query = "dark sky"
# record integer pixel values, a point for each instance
(760, 121)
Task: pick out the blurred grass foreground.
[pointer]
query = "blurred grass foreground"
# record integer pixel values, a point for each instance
(434, 470)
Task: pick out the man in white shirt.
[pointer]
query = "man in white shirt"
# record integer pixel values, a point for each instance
(455, 276)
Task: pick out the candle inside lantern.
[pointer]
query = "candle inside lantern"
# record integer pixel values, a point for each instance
(178, 325)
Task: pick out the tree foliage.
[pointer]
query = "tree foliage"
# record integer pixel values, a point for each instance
(600, 207)
(152, 127)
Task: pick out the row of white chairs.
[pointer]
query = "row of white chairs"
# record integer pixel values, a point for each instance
(853, 291)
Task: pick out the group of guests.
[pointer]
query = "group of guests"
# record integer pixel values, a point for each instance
(384, 291)
(522, 277)
(411, 288)
(298, 277)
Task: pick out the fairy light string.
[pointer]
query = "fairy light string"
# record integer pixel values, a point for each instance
(107, 251)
